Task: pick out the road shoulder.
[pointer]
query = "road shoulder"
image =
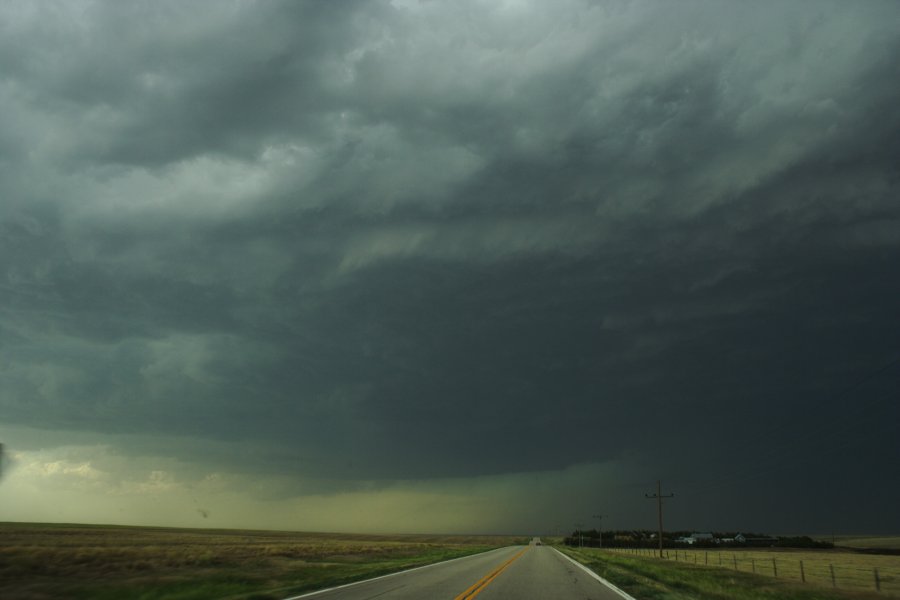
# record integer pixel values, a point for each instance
(625, 595)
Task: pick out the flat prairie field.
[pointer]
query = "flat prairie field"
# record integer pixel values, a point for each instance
(826, 568)
(880, 542)
(44, 561)
(838, 571)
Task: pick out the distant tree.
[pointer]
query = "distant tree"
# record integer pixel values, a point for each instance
(803, 541)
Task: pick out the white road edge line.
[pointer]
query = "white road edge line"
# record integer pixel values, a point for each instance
(624, 594)
(346, 585)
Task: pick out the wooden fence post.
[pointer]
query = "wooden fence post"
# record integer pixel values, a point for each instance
(877, 579)
(831, 568)
(753, 564)
(734, 558)
(706, 558)
(775, 568)
(802, 574)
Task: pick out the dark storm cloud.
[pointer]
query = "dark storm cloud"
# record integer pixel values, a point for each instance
(378, 241)
(158, 83)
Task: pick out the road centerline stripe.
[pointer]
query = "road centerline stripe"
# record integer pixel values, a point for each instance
(482, 583)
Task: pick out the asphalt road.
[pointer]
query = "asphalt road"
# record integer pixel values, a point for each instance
(513, 573)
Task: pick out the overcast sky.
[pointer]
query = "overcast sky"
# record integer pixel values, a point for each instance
(481, 266)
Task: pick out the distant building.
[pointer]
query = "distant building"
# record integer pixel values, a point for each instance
(696, 537)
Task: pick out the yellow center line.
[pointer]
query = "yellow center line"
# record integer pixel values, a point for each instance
(482, 583)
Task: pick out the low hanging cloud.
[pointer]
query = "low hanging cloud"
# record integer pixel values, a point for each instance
(98, 483)
(375, 242)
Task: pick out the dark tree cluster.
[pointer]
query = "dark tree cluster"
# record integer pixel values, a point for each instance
(591, 538)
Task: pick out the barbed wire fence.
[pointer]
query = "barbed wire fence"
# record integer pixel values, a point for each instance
(822, 571)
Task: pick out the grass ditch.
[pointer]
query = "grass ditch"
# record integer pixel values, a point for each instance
(43, 562)
(841, 568)
(654, 579)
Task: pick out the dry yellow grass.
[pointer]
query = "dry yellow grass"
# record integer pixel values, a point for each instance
(859, 541)
(852, 570)
(48, 561)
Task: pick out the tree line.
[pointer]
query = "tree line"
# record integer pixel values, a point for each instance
(675, 539)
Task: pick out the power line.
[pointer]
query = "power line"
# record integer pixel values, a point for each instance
(600, 533)
(659, 498)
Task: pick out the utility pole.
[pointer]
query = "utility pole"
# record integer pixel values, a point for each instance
(659, 498)
(580, 526)
(600, 517)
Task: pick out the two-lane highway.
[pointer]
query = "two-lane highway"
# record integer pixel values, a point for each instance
(517, 572)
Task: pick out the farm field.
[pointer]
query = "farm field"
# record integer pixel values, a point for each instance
(882, 542)
(39, 562)
(649, 578)
(821, 569)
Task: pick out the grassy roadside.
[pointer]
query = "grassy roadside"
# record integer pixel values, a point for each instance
(43, 562)
(651, 579)
(252, 584)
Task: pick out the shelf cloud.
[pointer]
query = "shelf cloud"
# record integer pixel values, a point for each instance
(369, 250)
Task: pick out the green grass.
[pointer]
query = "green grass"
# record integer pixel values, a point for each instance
(850, 570)
(246, 586)
(44, 562)
(654, 579)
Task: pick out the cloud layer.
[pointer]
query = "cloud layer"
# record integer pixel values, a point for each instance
(398, 241)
